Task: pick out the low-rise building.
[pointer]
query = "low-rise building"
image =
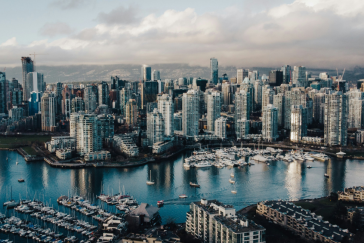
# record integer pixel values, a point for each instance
(64, 154)
(312, 140)
(145, 213)
(161, 147)
(123, 143)
(213, 222)
(61, 142)
(98, 155)
(301, 222)
(355, 193)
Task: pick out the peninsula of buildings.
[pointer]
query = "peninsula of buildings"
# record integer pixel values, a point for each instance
(130, 121)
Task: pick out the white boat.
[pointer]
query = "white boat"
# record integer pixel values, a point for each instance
(340, 154)
(259, 158)
(231, 181)
(203, 164)
(309, 166)
(326, 175)
(183, 196)
(186, 165)
(320, 156)
(232, 174)
(234, 192)
(150, 182)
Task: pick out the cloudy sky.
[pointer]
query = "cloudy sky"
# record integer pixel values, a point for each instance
(314, 33)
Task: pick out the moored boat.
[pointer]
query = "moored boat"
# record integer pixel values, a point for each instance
(183, 196)
(194, 184)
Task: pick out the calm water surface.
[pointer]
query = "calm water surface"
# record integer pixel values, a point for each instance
(256, 183)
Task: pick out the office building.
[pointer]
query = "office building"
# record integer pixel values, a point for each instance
(298, 123)
(16, 113)
(156, 75)
(228, 91)
(302, 222)
(299, 76)
(199, 83)
(131, 112)
(3, 89)
(242, 127)
(241, 74)
(213, 222)
(35, 103)
(335, 119)
(149, 92)
(214, 69)
(146, 73)
(275, 78)
(103, 92)
(286, 73)
(270, 123)
(106, 126)
(190, 113)
(249, 88)
(27, 67)
(182, 81)
(35, 82)
(161, 85)
(125, 95)
(16, 97)
(166, 108)
(155, 127)
(278, 102)
(213, 109)
(258, 85)
(77, 104)
(66, 101)
(90, 98)
(267, 97)
(48, 108)
(293, 97)
(115, 81)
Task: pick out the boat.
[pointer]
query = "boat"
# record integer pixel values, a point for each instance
(183, 196)
(232, 174)
(21, 180)
(231, 181)
(203, 164)
(326, 175)
(194, 185)
(309, 166)
(234, 192)
(340, 154)
(320, 157)
(186, 165)
(268, 163)
(160, 203)
(150, 182)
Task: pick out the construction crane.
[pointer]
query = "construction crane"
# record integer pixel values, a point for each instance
(34, 54)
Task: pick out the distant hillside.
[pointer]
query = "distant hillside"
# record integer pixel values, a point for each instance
(77, 73)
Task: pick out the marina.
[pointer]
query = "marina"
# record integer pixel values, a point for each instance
(279, 180)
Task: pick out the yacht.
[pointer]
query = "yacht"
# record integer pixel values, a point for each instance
(309, 166)
(231, 181)
(320, 157)
(160, 203)
(21, 180)
(234, 192)
(203, 164)
(326, 175)
(232, 174)
(194, 184)
(183, 196)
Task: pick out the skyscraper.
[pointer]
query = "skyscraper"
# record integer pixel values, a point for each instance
(242, 128)
(166, 108)
(125, 95)
(149, 92)
(66, 102)
(48, 112)
(103, 90)
(35, 82)
(241, 75)
(298, 123)
(27, 67)
(242, 105)
(35, 103)
(275, 78)
(77, 104)
(355, 109)
(278, 102)
(131, 112)
(286, 73)
(293, 97)
(220, 127)
(299, 76)
(2, 93)
(270, 123)
(190, 113)
(213, 109)
(156, 75)
(214, 68)
(90, 98)
(146, 73)
(336, 119)
(155, 127)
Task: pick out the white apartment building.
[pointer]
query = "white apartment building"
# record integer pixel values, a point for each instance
(213, 109)
(166, 108)
(242, 128)
(298, 123)
(190, 113)
(155, 127)
(270, 123)
(220, 127)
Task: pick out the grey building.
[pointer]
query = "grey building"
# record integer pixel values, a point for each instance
(214, 69)
(27, 67)
(103, 92)
(298, 123)
(149, 92)
(146, 73)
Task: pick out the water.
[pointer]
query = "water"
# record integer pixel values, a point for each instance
(256, 183)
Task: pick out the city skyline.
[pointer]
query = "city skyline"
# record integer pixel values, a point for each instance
(316, 33)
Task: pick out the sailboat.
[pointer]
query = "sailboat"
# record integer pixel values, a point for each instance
(150, 182)
(233, 191)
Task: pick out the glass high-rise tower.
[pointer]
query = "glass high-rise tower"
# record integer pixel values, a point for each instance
(214, 66)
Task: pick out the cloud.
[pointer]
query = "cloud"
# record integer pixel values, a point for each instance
(119, 16)
(314, 33)
(70, 4)
(55, 29)
(9, 43)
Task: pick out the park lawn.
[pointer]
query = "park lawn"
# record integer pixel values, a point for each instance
(30, 150)
(14, 141)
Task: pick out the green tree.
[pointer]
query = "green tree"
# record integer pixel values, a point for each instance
(356, 221)
(340, 211)
(334, 197)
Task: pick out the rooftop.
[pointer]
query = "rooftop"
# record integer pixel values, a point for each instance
(235, 225)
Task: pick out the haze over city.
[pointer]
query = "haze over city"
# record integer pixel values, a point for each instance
(314, 33)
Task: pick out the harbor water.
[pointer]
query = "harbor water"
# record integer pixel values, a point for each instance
(279, 180)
